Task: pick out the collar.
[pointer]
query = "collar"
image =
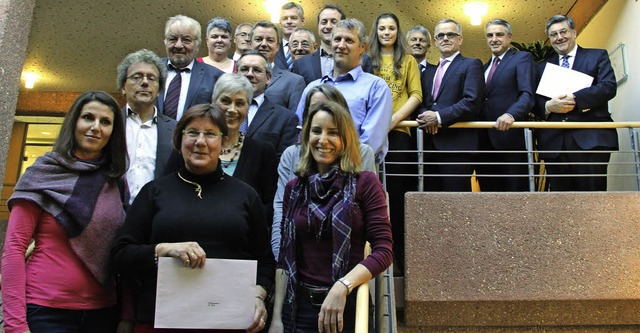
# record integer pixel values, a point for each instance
(324, 53)
(130, 112)
(451, 57)
(571, 54)
(354, 73)
(189, 66)
(259, 99)
(423, 62)
(209, 178)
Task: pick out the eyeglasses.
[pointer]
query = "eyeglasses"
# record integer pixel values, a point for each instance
(186, 40)
(449, 35)
(137, 78)
(245, 69)
(193, 135)
(559, 34)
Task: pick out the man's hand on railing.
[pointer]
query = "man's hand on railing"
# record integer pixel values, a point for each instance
(561, 104)
(503, 123)
(428, 121)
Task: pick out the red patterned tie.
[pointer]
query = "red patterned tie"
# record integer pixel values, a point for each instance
(496, 61)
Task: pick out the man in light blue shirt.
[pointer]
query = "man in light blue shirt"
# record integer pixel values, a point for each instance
(368, 96)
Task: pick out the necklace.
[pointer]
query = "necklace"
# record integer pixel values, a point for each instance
(198, 187)
(237, 147)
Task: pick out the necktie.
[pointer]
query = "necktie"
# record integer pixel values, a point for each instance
(422, 67)
(565, 62)
(496, 61)
(173, 93)
(438, 81)
(244, 127)
(287, 55)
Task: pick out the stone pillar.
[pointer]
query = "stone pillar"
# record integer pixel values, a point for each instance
(15, 24)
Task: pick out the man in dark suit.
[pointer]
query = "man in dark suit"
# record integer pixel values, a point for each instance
(149, 133)
(586, 105)
(452, 92)
(285, 87)
(320, 62)
(265, 120)
(419, 41)
(189, 82)
(291, 18)
(508, 97)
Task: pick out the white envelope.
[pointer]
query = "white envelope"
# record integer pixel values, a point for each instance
(558, 80)
(219, 296)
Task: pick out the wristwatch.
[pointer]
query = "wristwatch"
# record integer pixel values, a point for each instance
(347, 284)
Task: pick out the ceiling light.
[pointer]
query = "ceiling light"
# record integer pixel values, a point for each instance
(30, 79)
(273, 8)
(475, 10)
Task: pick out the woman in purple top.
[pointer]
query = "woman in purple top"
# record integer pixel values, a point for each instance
(332, 209)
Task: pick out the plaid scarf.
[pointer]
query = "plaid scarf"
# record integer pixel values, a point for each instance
(83, 201)
(329, 199)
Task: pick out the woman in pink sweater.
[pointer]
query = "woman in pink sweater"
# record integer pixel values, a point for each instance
(69, 201)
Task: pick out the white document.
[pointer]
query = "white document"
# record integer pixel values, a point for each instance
(219, 296)
(558, 80)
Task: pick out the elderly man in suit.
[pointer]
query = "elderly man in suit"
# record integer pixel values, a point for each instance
(303, 43)
(241, 39)
(291, 18)
(452, 92)
(189, 82)
(320, 62)
(285, 87)
(149, 133)
(419, 41)
(265, 121)
(508, 97)
(586, 105)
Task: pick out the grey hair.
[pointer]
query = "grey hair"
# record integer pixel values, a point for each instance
(292, 4)
(254, 52)
(559, 19)
(219, 23)
(352, 24)
(312, 36)
(186, 20)
(232, 83)
(448, 20)
(422, 30)
(245, 24)
(146, 56)
(497, 21)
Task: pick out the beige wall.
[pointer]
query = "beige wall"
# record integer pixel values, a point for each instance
(619, 22)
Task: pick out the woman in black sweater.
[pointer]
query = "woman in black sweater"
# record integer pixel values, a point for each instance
(196, 213)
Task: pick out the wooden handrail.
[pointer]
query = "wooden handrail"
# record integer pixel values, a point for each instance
(537, 124)
(362, 301)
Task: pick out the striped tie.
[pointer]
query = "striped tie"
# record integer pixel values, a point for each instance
(172, 98)
(287, 55)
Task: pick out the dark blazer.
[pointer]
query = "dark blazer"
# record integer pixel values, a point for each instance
(310, 69)
(592, 104)
(460, 99)
(285, 88)
(257, 167)
(203, 78)
(511, 91)
(274, 124)
(167, 159)
(280, 60)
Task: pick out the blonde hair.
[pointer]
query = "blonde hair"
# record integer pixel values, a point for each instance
(350, 156)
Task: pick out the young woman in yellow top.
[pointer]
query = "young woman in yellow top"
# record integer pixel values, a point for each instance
(392, 62)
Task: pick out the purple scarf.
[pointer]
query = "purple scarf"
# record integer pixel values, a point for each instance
(329, 200)
(82, 200)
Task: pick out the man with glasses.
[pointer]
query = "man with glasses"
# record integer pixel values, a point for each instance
(241, 39)
(452, 92)
(586, 105)
(302, 42)
(189, 82)
(508, 97)
(149, 133)
(265, 120)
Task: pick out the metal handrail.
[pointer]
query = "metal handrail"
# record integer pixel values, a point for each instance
(537, 124)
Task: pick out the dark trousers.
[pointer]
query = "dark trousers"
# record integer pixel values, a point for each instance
(566, 169)
(438, 165)
(397, 186)
(43, 319)
(307, 316)
(505, 172)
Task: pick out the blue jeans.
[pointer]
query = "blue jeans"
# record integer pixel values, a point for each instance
(43, 319)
